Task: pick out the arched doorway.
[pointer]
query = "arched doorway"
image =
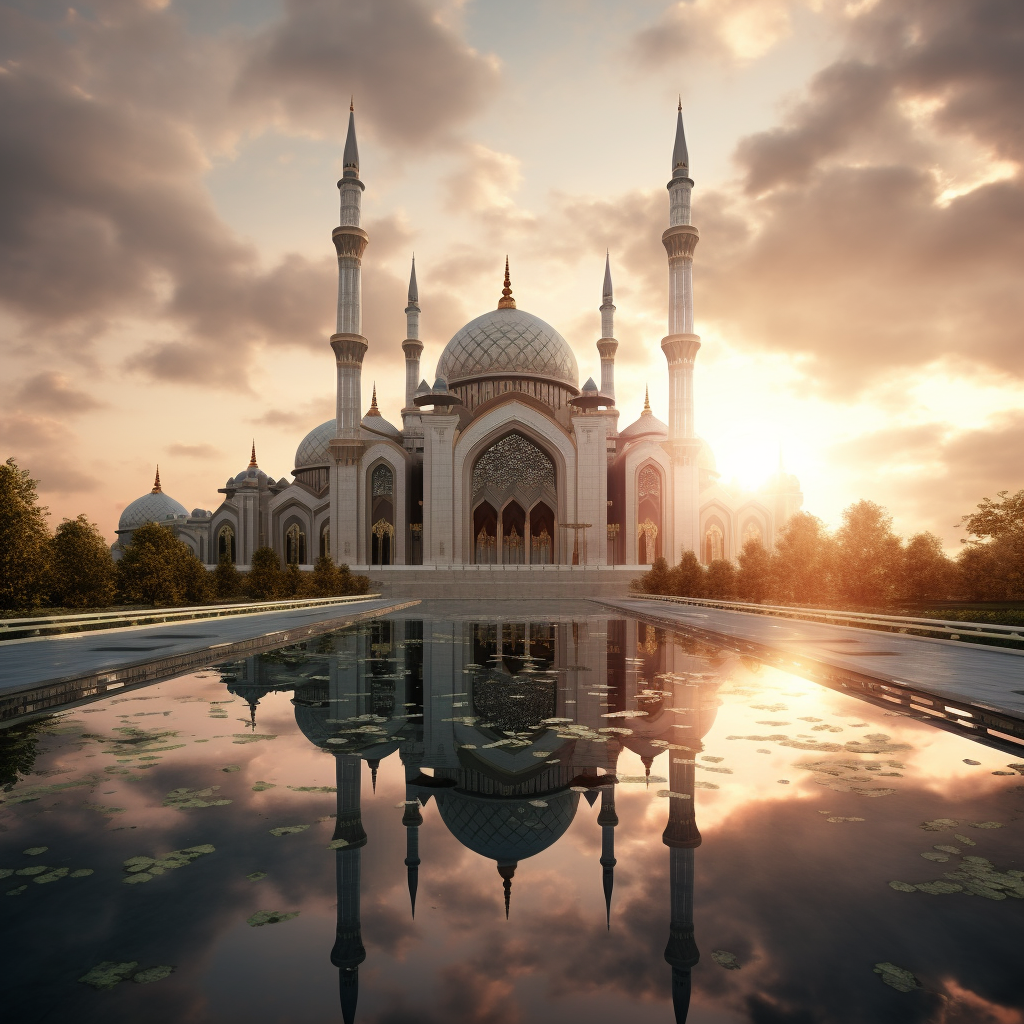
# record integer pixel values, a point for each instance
(382, 515)
(714, 543)
(513, 534)
(512, 475)
(295, 545)
(485, 534)
(752, 532)
(542, 534)
(226, 543)
(649, 518)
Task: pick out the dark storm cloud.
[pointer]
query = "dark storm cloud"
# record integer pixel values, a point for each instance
(414, 78)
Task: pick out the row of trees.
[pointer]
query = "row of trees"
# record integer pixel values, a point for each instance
(73, 567)
(863, 564)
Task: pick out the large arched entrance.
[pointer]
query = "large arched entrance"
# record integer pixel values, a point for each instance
(649, 533)
(510, 477)
(382, 515)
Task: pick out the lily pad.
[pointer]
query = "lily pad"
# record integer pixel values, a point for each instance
(897, 977)
(17, 892)
(108, 974)
(256, 876)
(34, 851)
(262, 917)
(313, 789)
(939, 825)
(51, 876)
(938, 888)
(964, 841)
(37, 869)
(939, 858)
(151, 974)
(725, 959)
(81, 873)
(967, 760)
(288, 830)
(985, 824)
(185, 799)
(903, 886)
(259, 787)
(337, 844)
(673, 796)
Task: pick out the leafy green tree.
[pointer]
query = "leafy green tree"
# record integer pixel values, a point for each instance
(227, 580)
(323, 580)
(803, 562)
(159, 569)
(657, 579)
(24, 539)
(754, 579)
(82, 570)
(996, 518)
(263, 581)
(927, 574)
(688, 577)
(869, 556)
(992, 567)
(293, 582)
(721, 579)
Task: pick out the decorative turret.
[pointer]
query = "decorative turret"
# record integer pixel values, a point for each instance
(506, 301)
(412, 346)
(157, 489)
(607, 346)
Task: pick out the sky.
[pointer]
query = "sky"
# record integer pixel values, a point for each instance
(168, 189)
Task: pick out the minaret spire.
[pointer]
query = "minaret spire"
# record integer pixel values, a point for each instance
(252, 457)
(608, 819)
(507, 870)
(412, 346)
(506, 301)
(680, 157)
(412, 819)
(157, 489)
(607, 346)
(350, 161)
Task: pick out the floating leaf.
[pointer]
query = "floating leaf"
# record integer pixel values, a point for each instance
(939, 858)
(641, 780)
(985, 824)
(312, 789)
(151, 974)
(967, 760)
(262, 917)
(256, 876)
(36, 870)
(938, 888)
(939, 825)
(34, 851)
(232, 768)
(51, 876)
(903, 886)
(704, 785)
(725, 959)
(81, 873)
(964, 841)
(185, 799)
(18, 891)
(837, 818)
(897, 977)
(288, 830)
(259, 787)
(947, 849)
(538, 803)
(673, 796)
(108, 974)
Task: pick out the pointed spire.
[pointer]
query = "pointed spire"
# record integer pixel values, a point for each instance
(606, 292)
(373, 401)
(680, 157)
(506, 301)
(157, 489)
(414, 294)
(507, 871)
(647, 400)
(350, 161)
(374, 764)
(252, 458)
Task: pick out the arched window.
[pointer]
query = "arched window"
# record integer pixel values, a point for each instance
(382, 515)
(295, 545)
(649, 515)
(714, 544)
(226, 543)
(325, 539)
(752, 531)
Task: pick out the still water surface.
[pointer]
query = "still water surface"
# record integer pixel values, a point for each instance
(438, 820)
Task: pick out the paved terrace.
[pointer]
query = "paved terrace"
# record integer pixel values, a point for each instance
(40, 674)
(973, 688)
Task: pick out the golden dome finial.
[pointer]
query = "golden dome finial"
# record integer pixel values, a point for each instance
(157, 489)
(352, 103)
(647, 399)
(506, 301)
(373, 401)
(252, 458)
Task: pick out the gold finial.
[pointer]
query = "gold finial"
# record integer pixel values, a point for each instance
(647, 399)
(157, 489)
(252, 458)
(680, 107)
(352, 104)
(506, 301)
(373, 401)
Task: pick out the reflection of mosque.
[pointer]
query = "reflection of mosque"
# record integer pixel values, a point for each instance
(462, 704)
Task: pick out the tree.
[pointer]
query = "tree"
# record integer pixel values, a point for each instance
(657, 579)
(688, 577)
(996, 518)
(263, 581)
(803, 561)
(293, 582)
(927, 574)
(868, 556)
(721, 579)
(157, 568)
(995, 569)
(753, 581)
(227, 580)
(323, 580)
(82, 571)
(24, 539)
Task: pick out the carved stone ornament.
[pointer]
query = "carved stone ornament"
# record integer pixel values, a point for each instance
(350, 241)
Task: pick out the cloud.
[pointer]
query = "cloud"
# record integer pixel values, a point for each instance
(194, 451)
(41, 444)
(412, 75)
(50, 391)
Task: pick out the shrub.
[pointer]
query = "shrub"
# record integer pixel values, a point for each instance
(688, 578)
(263, 581)
(82, 571)
(721, 579)
(227, 580)
(24, 539)
(159, 569)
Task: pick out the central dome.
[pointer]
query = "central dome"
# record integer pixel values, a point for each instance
(508, 342)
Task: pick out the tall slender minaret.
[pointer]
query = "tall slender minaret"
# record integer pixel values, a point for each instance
(412, 346)
(412, 819)
(607, 819)
(680, 347)
(349, 346)
(607, 346)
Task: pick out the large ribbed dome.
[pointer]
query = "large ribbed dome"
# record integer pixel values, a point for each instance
(313, 449)
(508, 342)
(156, 507)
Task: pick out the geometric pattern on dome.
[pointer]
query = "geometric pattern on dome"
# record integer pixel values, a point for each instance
(507, 828)
(513, 461)
(150, 508)
(508, 341)
(313, 449)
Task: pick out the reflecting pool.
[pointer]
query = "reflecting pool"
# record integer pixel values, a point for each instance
(571, 819)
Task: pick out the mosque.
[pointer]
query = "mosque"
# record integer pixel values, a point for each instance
(504, 460)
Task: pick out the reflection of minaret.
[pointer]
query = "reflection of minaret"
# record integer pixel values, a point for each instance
(507, 869)
(682, 837)
(412, 819)
(348, 952)
(608, 819)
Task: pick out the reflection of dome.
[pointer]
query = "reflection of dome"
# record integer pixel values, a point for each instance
(506, 828)
(313, 449)
(155, 507)
(506, 342)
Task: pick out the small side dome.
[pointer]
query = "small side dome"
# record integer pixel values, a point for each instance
(376, 424)
(647, 426)
(590, 386)
(440, 386)
(155, 507)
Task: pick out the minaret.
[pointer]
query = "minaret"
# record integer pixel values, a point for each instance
(608, 819)
(348, 952)
(680, 347)
(349, 346)
(412, 346)
(607, 346)
(412, 819)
